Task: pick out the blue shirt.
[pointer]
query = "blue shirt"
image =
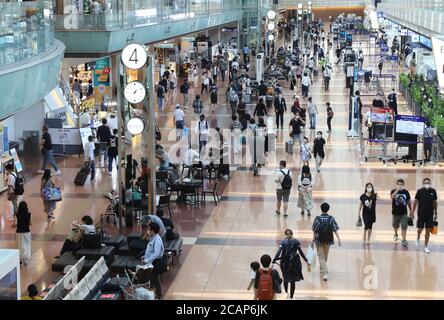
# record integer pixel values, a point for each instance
(154, 250)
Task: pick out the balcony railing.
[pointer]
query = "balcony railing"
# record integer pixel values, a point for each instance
(26, 30)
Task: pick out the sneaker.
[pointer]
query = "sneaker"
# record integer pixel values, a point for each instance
(58, 172)
(405, 243)
(278, 212)
(302, 212)
(186, 107)
(40, 171)
(309, 213)
(325, 277)
(426, 250)
(417, 242)
(319, 170)
(110, 174)
(285, 215)
(395, 237)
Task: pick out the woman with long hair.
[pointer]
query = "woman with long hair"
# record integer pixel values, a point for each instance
(368, 206)
(305, 186)
(23, 233)
(48, 182)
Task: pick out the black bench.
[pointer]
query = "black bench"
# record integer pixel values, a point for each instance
(122, 263)
(106, 252)
(174, 247)
(115, 241)
(66, 259)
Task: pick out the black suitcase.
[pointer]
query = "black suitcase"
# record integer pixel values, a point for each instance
(82, 175)
(315, 72)
(224, 170)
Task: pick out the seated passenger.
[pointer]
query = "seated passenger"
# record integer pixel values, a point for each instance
(171, 234)
(138, 246)
(33, 293)
(162, 156)
(72, 243)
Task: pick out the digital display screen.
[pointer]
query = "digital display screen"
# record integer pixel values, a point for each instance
(410, 124)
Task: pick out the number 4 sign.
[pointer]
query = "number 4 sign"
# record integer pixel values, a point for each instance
(134, 56)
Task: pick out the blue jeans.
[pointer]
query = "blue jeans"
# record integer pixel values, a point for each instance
(160, 103)
(297, 136)
(312, 121)
(47, 156)
(110, 163)
(93, 169)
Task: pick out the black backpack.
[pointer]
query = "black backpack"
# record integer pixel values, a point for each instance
(287, 182)
(160, 91)
(325, 233)
(18, 186)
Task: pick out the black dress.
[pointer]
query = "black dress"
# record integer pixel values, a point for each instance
(368, 210)
(289, 250)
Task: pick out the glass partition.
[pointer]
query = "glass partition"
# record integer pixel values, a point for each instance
(26, 30)
(117, 14)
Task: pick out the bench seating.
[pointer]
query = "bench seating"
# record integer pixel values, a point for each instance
(115, 241)
(106, 252)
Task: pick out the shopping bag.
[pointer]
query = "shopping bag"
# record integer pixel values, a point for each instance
(435, 227)
(359, 222)
(185, 132)
(52, 194)
(311, 255)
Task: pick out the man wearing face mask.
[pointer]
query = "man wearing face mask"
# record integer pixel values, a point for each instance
(426, 201)
(280, 107)
(400, 202)
(318, 150)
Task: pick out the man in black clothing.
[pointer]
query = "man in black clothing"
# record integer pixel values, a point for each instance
(280, 107)
(261, 109)
(112, 151)
(295, 125)
(400, 203)
(377, 102)
(164, 83)
(46, 150)
(103, 135)
(262, 90)
(393, 101)
(426, 200)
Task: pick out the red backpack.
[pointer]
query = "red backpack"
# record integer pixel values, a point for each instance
(265, 286)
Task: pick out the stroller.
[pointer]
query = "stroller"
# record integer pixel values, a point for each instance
(113, 208)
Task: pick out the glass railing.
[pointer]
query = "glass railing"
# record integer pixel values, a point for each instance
(26, 30)
(118, 14)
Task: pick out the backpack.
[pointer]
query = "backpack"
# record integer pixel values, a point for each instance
(160, 91)
(18, 186)
(287, 182)
(325, 233)
(113, 142)
(265, 285)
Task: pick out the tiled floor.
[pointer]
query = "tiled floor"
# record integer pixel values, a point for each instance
(221, 241)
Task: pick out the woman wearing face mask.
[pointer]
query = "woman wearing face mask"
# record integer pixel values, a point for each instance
(305, 152)
(305, 186)
(368, 205)
(318, 150)
(289, 253)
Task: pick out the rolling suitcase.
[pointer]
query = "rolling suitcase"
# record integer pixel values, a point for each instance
(289, 147)
(82, 175)
(315, 72)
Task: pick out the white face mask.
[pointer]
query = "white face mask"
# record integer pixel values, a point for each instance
(427, 186)
(319, 136)
(369, 189)
(401, 187)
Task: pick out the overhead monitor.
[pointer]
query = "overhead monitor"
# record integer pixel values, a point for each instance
(410, 124)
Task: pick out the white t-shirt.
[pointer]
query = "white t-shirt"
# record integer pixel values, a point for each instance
(89, 151)
(87, 229)
(279, 176)
(306, 81)
(312, 108)
(190, 156)
(206, 81)
(179, 115)
(11, 180)
(311, 64)
(253, 275)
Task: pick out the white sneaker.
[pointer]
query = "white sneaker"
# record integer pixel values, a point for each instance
(186, 107)
(58, 172)
(426, 250)
(110, 174)
(40, 171)
(395, 238)
(417, 242)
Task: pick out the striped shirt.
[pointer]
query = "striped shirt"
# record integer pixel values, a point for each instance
(321, 220)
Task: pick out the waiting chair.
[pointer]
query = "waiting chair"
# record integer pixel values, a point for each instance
(212, 192)
(164, 202)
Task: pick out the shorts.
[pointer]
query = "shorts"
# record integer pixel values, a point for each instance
(425, 221)
(179, 124)
(400, 219)
(283, 194)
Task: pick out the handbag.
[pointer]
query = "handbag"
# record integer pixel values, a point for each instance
(52, 194)
(359, 222)
(435, 227)
(161, 265)
(410, 222)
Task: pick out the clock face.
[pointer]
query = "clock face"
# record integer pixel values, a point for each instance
(135, 92)
(134, 56)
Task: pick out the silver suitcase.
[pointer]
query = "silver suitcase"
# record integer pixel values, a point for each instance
(289, 147)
